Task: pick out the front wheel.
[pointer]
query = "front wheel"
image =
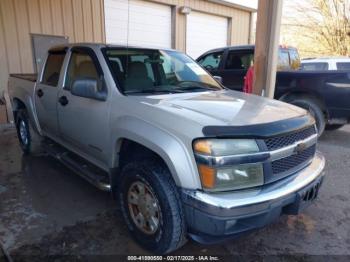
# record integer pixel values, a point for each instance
(151, 206)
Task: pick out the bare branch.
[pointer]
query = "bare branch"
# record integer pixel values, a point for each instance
(321, 26)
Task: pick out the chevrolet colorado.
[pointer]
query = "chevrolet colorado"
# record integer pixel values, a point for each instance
(325, 94)
(183, 156)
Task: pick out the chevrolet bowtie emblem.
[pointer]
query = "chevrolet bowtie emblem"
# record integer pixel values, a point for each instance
(300, 147)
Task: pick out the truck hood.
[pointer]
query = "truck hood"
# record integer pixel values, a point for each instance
(224, 107)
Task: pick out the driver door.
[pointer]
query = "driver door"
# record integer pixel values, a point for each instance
(211, 62)
(83, 122)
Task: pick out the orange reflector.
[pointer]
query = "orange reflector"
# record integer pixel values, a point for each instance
(202, 146)
(207, 176)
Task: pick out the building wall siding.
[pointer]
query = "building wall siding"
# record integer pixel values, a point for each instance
(83, 21)
(80, 20)
(239, 19)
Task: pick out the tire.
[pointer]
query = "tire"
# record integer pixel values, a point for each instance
(29, 139)
(333, 127)
(315, 110)
(169, 233)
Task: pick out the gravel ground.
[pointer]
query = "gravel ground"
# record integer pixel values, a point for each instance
(46, 210)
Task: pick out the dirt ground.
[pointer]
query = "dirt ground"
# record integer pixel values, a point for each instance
(48, 212)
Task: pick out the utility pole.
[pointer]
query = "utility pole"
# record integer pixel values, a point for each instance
(266, 46)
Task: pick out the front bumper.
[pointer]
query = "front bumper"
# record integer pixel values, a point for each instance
(213, 217)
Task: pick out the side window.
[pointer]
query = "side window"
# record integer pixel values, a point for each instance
(294, 59)
(239, 60)
(80, 65)
(53, 68)
(211, 61)
(343, 65)
(283, 60)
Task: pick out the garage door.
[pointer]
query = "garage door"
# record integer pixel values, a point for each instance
(149, 23)
(205, 32)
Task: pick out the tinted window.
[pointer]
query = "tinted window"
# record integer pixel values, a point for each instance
(343, 65)
(314, 66)
(283, 60)
(239, 60)
(80, 66)
(211, 61)
(53, 68)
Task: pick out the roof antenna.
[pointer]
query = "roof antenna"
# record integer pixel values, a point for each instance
(127, 40)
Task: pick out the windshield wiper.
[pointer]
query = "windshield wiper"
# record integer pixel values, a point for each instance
(191, 88)
(197, 85)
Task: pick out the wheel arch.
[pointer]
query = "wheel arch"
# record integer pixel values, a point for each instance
(28, 105)
(17, 104)
(157, 143)
(290, 96)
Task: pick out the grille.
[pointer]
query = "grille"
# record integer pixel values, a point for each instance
(290, 162)
(286, 140)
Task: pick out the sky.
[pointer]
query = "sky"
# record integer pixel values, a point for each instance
(248, 3)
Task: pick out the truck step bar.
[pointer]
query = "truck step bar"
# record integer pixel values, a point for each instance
(89, 172)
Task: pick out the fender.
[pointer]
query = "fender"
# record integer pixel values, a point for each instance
(21, 94)
(170, 148)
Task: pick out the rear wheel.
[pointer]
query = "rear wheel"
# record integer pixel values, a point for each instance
(151, 206)
(29, 139)
(315, 110)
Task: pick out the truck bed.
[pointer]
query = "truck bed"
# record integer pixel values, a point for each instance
(22, 87)
(29, 77)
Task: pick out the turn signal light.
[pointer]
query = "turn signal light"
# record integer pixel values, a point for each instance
(207, 176)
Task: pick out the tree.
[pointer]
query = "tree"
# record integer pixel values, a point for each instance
(317, 27)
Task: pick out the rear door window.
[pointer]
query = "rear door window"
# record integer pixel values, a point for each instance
(343, 65)
(239, 60)
(294, 59)
(53, 68)
(283, 60)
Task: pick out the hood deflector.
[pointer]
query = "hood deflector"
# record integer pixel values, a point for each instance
(260, 130)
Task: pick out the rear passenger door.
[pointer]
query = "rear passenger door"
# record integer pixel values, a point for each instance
(46, 92)
(83, 121)
(235, 68)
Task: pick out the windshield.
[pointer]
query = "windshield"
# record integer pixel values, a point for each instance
(140, 71)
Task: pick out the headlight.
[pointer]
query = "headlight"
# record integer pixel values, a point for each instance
(224, 178)
(224, 147)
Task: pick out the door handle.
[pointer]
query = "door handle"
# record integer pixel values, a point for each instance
(63, 100)
(40, 93)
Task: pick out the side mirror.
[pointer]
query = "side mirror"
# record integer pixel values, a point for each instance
(218, 79)
(89, 88)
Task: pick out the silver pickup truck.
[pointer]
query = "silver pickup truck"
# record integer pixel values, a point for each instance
(183, 156)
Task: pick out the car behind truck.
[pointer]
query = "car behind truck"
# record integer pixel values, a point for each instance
(183, 156)
(325, 94)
